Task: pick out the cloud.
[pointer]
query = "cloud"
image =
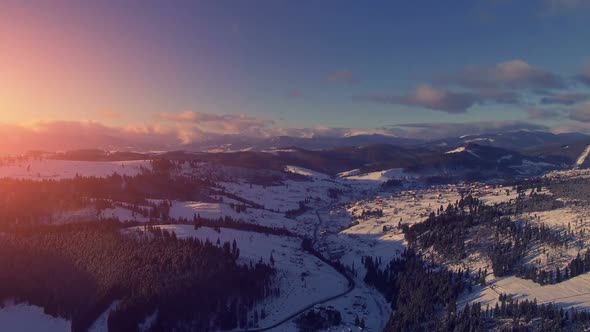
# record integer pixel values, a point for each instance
(343, 76)
(535, 113)
(513, 74)
(441, 99)
(70, 135)
(564, 99)
(222, 124)
(580, 113)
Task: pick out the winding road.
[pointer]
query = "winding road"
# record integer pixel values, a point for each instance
(351, 287)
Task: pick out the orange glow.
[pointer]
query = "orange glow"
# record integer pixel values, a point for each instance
(63, 69)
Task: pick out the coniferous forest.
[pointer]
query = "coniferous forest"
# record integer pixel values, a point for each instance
(76, 271)
(424, 295)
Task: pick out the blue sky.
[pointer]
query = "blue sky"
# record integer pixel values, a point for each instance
(296, 64)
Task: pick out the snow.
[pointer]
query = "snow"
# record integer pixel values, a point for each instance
(574, 292)
(528, 166)
(101, 323)
(277, 151)
(376, 177)
(462, 149)
(343, 232)
(491, 140)
(297, 291)
(66, 169)
(122, 214)
(282, 197)
(344, 235)
(498, 195)
(306, 172)
(187, 210)
(23, 317)
(148, 322)
(210, 210)
(352, 172)
(457, 150)
(583, 156)
(205, 210)
(560, 220)
(367, 237)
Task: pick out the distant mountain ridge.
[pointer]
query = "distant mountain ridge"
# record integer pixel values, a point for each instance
(473, 157)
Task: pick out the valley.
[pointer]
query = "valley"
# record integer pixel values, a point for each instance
(317, 231)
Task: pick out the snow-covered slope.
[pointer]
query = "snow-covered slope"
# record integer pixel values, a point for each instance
(461, 150)
(582, 158)
(101, 323)
(306, 172)
(574, 292)
(24, 318)
(282, 197)
(375, 177)
(66, 169)
(301, 277)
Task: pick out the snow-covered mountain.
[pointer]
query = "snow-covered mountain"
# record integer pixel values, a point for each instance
(519, 140)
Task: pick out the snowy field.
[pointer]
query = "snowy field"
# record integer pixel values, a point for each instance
(498, 195)
(375, 177)
(122, 214)
(66, 169)
(25, 318)
(365, 302)
(574, 292)
(351, 227)
(302, 278)
(306, 172)
(371, 181)
(407, 207)
(283, 197)
(568, 219)
(189, 209)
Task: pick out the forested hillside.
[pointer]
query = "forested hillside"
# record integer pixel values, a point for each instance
(77, 271)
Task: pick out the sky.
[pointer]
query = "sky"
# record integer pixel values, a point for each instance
(189, 70)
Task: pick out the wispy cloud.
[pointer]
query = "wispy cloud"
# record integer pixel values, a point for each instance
(535, 113)
(223, 124)
(565, 99)
(442, 99)
(580, 113)
(71, 135)
(513, 74)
